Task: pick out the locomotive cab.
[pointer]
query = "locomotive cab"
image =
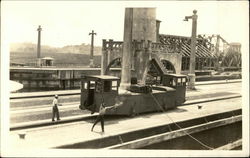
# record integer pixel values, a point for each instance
(94, 89)
(178, 82)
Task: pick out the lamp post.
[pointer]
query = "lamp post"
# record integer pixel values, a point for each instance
(191, 74)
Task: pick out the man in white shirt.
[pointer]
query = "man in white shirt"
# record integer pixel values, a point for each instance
(55, 110)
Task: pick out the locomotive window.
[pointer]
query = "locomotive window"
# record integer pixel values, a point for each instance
(174, 83)
(98, 86)
(85, 85)
(171, 82)
(107, 86)
(114, 85)
(179, 80)
(183, 80)
(92, 85)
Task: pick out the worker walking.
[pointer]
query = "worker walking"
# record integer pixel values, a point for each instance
(102, 112)
(55, 111)
(100, 117)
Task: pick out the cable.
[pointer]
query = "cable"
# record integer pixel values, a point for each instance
(204, 145)
(161, 109)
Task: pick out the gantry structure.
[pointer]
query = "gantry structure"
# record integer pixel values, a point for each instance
(172, 52)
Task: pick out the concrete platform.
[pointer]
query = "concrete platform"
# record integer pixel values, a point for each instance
(46, 122)
(203, 93)
(44, 93)
(59, 135)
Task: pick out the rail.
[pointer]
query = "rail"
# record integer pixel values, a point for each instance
(90, 117)
(77, 92)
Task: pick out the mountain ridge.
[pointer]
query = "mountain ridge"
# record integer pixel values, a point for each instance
(74, 49)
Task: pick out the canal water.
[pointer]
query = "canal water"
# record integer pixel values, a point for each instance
(214, 138)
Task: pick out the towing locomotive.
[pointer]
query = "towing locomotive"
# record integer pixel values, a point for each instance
(99, 89)
(139, 53)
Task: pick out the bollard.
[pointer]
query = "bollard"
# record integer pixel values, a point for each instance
(22, 134)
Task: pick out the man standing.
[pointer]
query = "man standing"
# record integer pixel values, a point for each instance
(55, 110)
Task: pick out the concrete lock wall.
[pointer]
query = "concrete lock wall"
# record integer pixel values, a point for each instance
(52, 78)
(173, 58)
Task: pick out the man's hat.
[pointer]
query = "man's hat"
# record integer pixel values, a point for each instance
(56, 96)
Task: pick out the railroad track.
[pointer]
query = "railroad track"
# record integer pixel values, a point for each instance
(87, 117)
(51, 94)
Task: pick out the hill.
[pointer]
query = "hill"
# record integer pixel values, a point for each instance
(60, 59)
(32, 48)
(67, 56)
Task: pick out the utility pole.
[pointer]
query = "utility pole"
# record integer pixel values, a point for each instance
(191, 74)
(127, 49)
(91, 60)
(39, 29)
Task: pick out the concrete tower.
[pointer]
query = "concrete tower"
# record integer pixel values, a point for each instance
(144, 29)
(139, 25)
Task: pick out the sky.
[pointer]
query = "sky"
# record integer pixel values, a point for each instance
(69, 22)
